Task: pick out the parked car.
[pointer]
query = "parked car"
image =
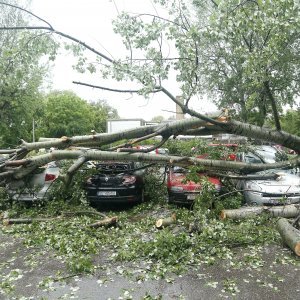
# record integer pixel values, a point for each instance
(116, 182)
(262, 154)
(285, 189)
(181, 190)
(162, 151)
(35, 186)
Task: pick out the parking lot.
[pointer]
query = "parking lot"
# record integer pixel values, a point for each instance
(252, 271)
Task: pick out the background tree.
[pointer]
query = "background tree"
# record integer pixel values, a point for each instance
(66, 114)
(291, 121)
(249, 56)
(101, 111)
(21, 76)
(157, 119)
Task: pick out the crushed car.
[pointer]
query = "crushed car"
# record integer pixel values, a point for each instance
(116, 182)
(36, 186)
(284, 188)
(280, 186)
(184, 191)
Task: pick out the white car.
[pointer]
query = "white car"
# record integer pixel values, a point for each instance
(36, 186)
(283, 189)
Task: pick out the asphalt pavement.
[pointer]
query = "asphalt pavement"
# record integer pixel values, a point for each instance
(31, 273)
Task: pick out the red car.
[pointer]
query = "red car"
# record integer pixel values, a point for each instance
(181, 190)
(223, 152)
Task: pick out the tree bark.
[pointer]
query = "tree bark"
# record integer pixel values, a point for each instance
(32, 163)
(287, 211)
(289, 234)
(273, 105)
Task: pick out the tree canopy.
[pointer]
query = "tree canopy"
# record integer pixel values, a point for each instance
(249, 56)
(21, 75)
(66, 114)
(243, 53)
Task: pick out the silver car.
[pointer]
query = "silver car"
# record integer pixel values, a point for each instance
(285, 189)
(36, 186)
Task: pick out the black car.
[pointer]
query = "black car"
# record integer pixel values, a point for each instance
(116, 182)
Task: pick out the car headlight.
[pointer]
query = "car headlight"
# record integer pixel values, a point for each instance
(252, 186)
(280, 175)
(128, 179)
(176, 188)
(218, 187)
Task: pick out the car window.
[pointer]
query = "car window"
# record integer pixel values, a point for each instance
(177, 169)
(251, 158)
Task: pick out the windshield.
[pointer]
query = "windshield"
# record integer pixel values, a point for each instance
(270, 154)
(275, 171)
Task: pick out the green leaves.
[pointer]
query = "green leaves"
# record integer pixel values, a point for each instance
(22, 72)
(247, 44)
(67, 114)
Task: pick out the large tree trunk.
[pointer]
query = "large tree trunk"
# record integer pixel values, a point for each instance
(290, 235)
(273, 105)
(287, 211)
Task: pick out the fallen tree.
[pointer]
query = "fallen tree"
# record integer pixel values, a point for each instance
(19, 164)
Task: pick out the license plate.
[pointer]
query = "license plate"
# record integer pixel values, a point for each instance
(106, 193)
(191, 197)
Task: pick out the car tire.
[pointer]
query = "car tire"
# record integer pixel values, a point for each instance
(169, 199)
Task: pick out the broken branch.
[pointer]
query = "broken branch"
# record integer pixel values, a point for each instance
(107, 222)
(290, 235)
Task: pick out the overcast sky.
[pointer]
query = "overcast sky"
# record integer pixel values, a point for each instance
(90, 21)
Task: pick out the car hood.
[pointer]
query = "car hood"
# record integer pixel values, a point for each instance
(179, 179)
(285, 183)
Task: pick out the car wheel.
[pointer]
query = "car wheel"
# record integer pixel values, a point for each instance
(170, 199)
